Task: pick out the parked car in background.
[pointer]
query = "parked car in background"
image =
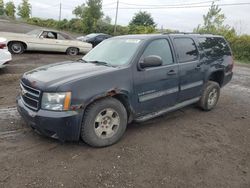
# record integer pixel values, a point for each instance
(124, 79)
(94, 38)
(44, 40)
(5, 55)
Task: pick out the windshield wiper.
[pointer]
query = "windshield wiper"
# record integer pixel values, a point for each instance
(82, 60)
(101, 63)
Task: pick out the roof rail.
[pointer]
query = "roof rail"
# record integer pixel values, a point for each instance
(186, 33)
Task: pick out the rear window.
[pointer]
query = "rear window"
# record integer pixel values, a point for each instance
(214, 47)
(186, 49)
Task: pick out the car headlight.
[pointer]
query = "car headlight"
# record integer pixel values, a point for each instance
(56, 101)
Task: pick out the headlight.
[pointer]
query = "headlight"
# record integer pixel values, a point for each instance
(56, 101)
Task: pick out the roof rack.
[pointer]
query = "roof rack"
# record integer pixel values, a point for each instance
(186, 33)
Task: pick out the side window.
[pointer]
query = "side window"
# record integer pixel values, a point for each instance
(99, 38)
(60, 37)
(186, 49)
(51, 35)
(214, 47)
(160, 47)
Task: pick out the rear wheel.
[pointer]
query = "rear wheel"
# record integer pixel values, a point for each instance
(16, 47)
(72, 51)
(210, 96)
(104, 122)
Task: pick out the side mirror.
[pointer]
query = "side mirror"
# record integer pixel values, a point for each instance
(150, 61)
(41, 37)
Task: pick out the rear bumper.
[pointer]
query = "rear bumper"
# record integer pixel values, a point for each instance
(227, 78)
(5, 57)
(64, 126)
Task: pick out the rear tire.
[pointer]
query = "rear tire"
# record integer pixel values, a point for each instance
(72, 51)
(16, 47)
(104, 122)
(210, 96)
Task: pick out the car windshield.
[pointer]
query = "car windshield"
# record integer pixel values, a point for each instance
(114, 52)
(35, 32)
(91, 35)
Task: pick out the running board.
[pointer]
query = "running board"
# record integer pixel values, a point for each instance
(173, 108)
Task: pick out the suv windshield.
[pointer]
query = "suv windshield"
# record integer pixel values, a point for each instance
(115, 52)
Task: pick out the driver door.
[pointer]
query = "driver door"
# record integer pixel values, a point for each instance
(47, 41)
(157, 88)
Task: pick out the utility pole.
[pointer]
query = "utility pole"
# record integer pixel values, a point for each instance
(116, 15)
(60, 11)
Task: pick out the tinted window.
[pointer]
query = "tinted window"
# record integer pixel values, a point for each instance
(186, 49)
(100, 37)
(160, 48)
(214, 47)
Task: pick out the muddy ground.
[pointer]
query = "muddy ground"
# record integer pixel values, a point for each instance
(186, 148)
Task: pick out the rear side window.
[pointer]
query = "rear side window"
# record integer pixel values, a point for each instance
(186, 49)
(214, 47)
(60, 37)
(160, 47)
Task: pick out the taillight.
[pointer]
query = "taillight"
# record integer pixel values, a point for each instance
(231, 66)
(3, 45)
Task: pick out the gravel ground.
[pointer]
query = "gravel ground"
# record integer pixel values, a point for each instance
(186, 148)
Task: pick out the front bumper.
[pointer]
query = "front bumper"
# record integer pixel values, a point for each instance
(227, 78)
(64, 126)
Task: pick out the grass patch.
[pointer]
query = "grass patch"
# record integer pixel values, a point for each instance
(242, 62)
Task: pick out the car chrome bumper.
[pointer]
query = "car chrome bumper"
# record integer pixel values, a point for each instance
(64, 126)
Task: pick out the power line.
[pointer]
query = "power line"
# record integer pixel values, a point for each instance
(166, 5)
(107, 4)
(177, 7)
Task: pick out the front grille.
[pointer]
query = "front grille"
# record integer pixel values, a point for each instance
(30, 96)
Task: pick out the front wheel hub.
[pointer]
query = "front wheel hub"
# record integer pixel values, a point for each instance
(107, 123)
(212, 97)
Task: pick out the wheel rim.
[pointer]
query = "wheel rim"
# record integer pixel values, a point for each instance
(16, 48)
(212, 97)
(107, 123)
(73, 51)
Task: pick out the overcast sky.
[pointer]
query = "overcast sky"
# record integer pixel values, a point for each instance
(183, 19)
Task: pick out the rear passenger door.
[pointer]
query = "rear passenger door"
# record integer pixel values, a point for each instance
(157, 87)
(191, 72)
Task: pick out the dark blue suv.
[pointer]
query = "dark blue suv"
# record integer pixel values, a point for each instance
(124, 79)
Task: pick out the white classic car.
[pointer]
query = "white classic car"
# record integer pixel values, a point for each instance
(5, 55)
(44, 40)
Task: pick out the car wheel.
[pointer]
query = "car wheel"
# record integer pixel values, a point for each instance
(72, 51)
(210, 96)
(104, 122)
(16, 47)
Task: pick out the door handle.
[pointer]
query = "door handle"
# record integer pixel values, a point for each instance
(172, 72)
(198, 67)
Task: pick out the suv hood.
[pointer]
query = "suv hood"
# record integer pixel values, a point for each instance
(51, 76)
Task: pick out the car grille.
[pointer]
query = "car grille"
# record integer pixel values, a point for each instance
(30, 96)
